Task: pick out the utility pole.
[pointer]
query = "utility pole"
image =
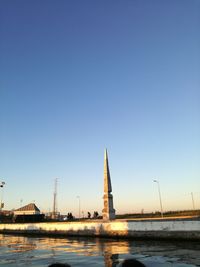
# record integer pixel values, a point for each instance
(2, 204)
(161, 208)
(193, 201)
(54, 214)
(79, 207)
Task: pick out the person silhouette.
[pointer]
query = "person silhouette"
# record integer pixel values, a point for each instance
(59, 265)
(132, 263)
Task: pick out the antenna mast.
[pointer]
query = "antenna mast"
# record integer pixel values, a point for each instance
(54, 214)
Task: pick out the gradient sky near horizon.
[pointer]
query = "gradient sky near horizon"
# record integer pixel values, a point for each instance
(80, 76)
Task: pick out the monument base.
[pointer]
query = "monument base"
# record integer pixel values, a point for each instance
(108, 211)
(108, 216)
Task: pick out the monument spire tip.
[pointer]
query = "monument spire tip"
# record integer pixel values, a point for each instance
(105, 154)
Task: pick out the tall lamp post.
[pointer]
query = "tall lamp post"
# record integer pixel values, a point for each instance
(193, 201)
(2, 204)
(79, 207)
(156, 181)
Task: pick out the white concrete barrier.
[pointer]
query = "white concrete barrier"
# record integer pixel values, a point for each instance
(129, 229)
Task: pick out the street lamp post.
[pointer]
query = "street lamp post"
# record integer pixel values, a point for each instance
(156, 181)
(193, 201)
(2, 204)
(79, 206)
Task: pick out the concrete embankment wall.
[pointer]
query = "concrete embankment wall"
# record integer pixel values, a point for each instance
(126, 229)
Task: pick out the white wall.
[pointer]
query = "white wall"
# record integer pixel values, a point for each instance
(114, 226)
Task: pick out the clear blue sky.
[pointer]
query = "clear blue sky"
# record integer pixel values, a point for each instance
(79, 76)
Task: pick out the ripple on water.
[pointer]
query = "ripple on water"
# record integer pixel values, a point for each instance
(28, 251)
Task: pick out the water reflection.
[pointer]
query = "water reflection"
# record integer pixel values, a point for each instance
(25, 251)
(111, 251)
(21, 244)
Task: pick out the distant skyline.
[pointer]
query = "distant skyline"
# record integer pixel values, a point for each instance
(81, 76)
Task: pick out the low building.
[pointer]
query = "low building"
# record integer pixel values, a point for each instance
(30, 209)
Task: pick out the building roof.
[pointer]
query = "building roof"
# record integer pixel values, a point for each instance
(29, 207)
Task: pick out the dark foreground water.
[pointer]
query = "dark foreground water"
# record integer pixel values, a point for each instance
(42, 251)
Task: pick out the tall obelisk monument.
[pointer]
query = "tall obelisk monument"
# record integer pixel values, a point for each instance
(108, 210)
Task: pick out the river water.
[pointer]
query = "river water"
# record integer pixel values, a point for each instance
(42, 251)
